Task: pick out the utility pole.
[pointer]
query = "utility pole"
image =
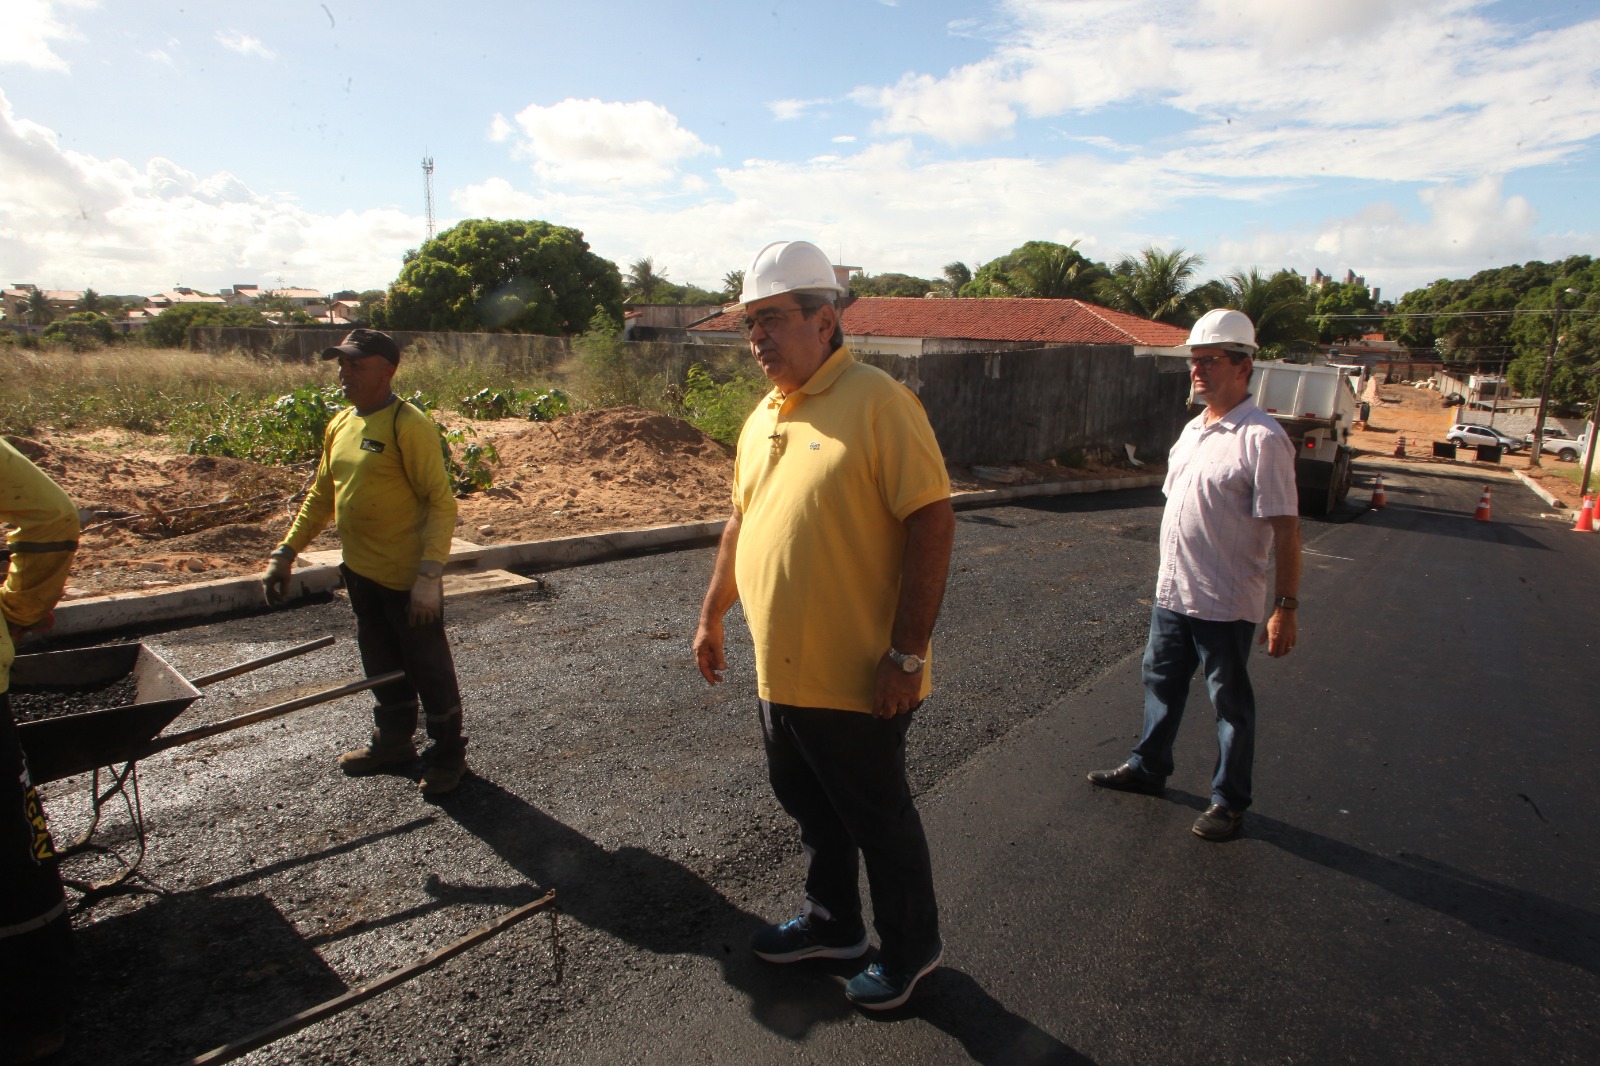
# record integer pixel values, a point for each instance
(1544, 391)
(427, 190)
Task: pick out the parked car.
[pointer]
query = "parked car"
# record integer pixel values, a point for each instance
(1469, 435)
(1550, 433)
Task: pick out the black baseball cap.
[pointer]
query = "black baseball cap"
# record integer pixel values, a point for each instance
(366, 342)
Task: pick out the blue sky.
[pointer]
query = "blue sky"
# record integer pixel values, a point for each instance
(205, 144)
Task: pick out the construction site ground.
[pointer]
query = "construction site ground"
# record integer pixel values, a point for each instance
(1420, 417)
(155, 517)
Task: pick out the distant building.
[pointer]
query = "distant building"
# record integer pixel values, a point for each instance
(910, 326)
(15, 300)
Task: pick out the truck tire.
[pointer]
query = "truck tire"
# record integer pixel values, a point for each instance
(1568, 455)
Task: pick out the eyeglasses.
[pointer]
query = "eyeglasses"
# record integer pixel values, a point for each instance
(1206, 362)
(768, 318)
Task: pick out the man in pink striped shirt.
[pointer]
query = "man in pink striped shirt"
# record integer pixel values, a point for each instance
(1230, 499)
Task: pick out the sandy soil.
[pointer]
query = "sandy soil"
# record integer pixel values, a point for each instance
(155, 518)
(1417, 415)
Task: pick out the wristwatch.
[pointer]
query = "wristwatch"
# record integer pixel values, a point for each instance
(1288, 603)
(906, 661)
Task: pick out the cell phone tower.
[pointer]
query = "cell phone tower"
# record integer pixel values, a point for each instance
(427, 190)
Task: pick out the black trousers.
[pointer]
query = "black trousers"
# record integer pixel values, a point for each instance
(842, 776)
(388, 641)
(35, 933)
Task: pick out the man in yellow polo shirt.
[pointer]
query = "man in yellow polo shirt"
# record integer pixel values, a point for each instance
(35, 933)
(838, 549)
(382, 480)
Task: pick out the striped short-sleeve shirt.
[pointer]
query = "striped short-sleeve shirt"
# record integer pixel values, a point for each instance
(1223, 482)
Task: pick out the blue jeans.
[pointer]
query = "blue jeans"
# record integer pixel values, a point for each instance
(842, 776)
(1178, 646)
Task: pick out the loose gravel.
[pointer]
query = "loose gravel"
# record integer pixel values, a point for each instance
(35, 703)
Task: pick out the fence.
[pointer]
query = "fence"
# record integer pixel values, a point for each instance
(999, 406)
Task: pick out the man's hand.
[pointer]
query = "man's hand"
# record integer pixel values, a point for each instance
(275, 582)
(708, 649)
(1280, 633)
(895, 691)
(427, 595)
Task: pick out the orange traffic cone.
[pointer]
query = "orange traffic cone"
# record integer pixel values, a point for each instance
(1585, 522)
(1379, 500)
(1482, 513)
(1400, 448)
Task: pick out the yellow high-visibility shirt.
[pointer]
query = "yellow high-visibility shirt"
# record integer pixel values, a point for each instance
(382, 480)
(42, 545)
(823, 482)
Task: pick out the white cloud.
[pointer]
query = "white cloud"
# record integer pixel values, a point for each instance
(500, 130)
(1471, 223)
(1429, 90)
(586, 142)
(244, 44)
(69, 220)
(32, 30)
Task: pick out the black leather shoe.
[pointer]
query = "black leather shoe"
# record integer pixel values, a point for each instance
(1218, 823)
(1127, 779)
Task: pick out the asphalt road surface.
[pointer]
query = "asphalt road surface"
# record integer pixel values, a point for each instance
(1416, 883)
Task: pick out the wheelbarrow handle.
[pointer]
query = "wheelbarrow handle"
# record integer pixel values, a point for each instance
(172, 740)
(256, 664)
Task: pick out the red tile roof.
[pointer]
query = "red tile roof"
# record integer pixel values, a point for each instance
(1007, 319)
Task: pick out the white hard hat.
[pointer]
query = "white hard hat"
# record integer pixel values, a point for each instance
(1224, 328)
(789, 266)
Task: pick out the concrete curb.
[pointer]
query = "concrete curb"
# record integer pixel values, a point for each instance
(122, 610)
(1540, 491)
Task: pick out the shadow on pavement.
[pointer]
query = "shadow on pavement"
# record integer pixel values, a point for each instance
(1524, 920)
(649, 901)
(954, 1003)
(186, 974)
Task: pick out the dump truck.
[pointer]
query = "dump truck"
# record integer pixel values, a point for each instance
(1316, 406)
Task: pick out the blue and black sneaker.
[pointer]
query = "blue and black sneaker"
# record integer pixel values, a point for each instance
(880, 987)
(806, 938)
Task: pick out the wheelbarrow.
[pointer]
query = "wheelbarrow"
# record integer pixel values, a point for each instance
(89, 741)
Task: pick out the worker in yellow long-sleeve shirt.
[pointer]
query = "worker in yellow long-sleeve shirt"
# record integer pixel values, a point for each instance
(382, 480)
(35, 934)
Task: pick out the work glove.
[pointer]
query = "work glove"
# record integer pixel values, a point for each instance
(427, 595)
(275, 582)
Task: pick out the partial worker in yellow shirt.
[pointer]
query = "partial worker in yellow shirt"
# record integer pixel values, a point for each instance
(35, 934)
(382, 481)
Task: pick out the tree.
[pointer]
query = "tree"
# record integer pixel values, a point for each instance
(367, 303)
(643, 281)
(889, 284)
(89, 301)
(1158, 285)
(956, 276)
(170, 329)
(83, 330)
(1280, 307)
(39, 310)
(516, 276)
(1038, 268)
(1056, 272)
(733, 283)
(1353, 304)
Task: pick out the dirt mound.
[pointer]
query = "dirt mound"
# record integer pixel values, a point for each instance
(152, 518)
(620, 468)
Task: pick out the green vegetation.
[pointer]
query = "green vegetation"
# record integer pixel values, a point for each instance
(170, 329)
(718, 408)
(511, 276)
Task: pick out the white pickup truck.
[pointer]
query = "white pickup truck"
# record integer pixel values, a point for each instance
(1559, 443)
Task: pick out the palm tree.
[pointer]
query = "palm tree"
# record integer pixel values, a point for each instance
(956, 275)
(733, 283)
(39, 310)
(90, 301)
(1055, 272)
(1280, 306)
(1157, 285)
(642, 279)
